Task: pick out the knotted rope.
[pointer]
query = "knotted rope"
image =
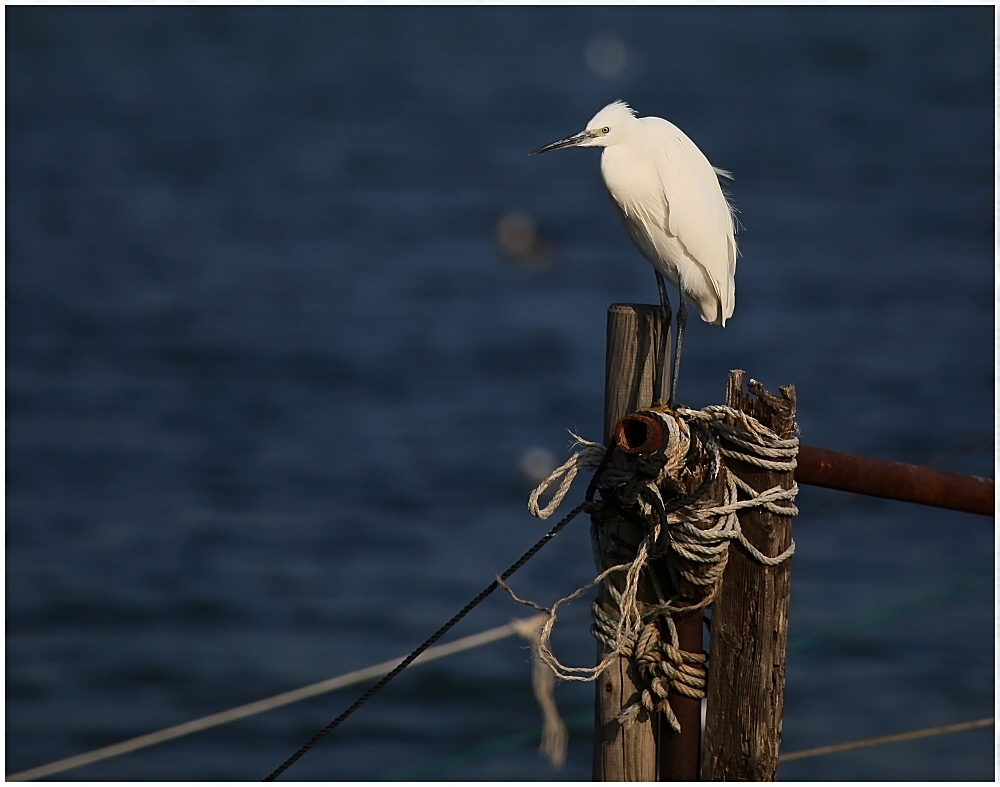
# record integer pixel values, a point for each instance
(661, 496)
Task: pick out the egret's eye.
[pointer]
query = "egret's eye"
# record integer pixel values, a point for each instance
(605, 130)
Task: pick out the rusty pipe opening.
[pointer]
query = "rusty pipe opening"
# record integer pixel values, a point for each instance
(639, 434)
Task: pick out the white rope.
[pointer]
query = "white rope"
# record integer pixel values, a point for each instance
(694, 539)
(270, 703)
(883, 739)
(589, 455)
(554, 735)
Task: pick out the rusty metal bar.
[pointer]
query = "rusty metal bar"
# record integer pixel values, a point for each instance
(679, 753)
(863, 475)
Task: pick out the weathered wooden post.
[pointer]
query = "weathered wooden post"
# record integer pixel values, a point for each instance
(625, 754)
(746, 676)
(647, 749)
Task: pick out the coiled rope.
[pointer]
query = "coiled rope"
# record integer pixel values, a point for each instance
(662, 495)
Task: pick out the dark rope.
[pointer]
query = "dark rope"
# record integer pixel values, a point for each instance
(587, 504)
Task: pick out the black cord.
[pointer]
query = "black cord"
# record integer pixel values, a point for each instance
(587, 504)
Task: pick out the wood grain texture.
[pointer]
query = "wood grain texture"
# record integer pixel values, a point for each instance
(746, 679)
(619, 754)
(633, 333)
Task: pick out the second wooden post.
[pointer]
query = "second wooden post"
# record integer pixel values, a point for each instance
(746, 676)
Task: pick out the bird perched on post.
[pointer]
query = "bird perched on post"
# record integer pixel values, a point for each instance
(667, 196)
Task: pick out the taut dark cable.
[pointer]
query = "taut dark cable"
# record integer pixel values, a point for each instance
(587, 504)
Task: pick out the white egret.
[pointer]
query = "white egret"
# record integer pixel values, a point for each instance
(667, 196)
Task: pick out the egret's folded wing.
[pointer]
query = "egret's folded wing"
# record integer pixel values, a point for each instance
(698, 214)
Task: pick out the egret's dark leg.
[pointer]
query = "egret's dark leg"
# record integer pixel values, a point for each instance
(667, 315)
(682, 316)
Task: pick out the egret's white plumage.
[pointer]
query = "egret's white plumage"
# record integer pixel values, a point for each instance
(667, 196)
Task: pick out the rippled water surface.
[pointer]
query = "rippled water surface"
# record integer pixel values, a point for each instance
(272, 377)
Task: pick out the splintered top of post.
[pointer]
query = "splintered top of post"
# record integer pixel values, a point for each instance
(775, 412)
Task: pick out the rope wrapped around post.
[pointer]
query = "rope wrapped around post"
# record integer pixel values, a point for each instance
(663, 493)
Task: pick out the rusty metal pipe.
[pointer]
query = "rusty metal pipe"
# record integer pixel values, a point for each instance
(864, 475)
(679, 753)
(639, 434)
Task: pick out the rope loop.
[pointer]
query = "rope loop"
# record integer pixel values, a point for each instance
(589, 455)
(681, 538)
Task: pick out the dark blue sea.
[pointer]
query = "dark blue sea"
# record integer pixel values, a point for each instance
(293, 319)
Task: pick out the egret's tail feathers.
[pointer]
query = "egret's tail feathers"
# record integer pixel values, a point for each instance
(714, 311)
(709, 311)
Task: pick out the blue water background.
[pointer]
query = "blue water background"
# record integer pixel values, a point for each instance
(270, 375)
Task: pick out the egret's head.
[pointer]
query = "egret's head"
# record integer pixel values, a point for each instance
(605, 128)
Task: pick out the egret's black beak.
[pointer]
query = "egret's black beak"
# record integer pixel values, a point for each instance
(569, 142)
